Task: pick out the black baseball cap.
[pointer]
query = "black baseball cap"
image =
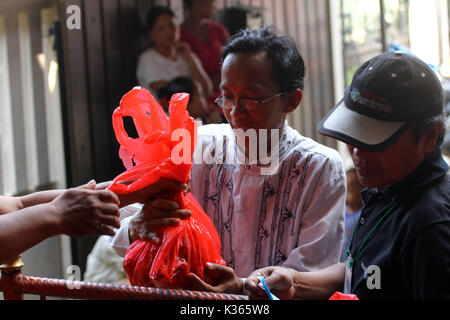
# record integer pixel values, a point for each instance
(387, 94)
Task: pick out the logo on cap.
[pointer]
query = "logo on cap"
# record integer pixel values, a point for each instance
(355, 95)
(380, 107)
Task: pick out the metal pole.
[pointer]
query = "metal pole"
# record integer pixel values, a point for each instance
(12, 279)
(383, 26)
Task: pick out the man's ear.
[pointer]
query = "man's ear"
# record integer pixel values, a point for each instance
(293, 100)
(430, 138)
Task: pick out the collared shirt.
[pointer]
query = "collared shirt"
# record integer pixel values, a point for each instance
(350, 222)
(293, 217)
(408, 254)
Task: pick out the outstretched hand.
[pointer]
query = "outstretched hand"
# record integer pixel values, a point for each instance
(223, 280)
(84, 211)
(146, 194)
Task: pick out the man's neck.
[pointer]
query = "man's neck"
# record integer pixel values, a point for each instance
(193, 24)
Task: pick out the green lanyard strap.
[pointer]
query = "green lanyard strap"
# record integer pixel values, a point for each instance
(365, 240)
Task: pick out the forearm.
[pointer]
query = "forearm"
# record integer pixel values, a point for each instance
(319, 285)
(12, 204)
(200, 76)
(25, 228)
(9, 204)
(39, 198)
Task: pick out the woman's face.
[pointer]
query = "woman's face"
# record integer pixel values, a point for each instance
(164, 32)
(204, 9)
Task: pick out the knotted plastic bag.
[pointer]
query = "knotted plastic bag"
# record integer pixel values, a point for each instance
(341, 296)
(163, 149)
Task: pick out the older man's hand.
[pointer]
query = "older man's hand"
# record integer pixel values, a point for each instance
(222, 280)
(154, 215)
(279, 280)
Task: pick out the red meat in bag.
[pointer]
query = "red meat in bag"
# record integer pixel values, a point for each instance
(182, 249)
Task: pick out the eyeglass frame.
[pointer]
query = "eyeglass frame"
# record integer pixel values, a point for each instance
(220, 101)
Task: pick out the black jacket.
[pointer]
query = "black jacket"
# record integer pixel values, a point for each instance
(411, 246)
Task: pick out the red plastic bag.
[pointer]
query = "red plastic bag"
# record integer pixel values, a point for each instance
(342, 296)
(182, 249)
(151, 152)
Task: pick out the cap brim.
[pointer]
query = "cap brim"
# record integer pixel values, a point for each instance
(359, 130)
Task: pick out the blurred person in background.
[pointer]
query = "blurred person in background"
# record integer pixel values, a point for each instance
(197, 107)
(206, 39)
(168, 57)
(353, 207)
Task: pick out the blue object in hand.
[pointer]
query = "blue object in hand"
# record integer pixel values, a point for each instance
(266, 288)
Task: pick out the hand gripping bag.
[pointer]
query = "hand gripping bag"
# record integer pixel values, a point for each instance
(159, 152)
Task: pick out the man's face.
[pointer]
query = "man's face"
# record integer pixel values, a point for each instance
(249, 76)
(384, 168)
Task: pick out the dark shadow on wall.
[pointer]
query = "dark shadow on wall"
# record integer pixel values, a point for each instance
(99, 68)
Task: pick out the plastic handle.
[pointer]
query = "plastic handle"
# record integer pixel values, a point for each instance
(119, 129)
(266, 288)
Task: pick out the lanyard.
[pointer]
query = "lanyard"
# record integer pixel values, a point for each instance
(367, 237)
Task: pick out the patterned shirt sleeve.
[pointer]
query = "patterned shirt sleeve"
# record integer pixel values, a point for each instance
(322, 228)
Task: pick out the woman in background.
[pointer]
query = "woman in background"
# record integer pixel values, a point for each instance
(167, 58)
(206, 39)
(353, 208)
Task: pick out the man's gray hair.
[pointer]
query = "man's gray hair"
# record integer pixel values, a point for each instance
(420, 127)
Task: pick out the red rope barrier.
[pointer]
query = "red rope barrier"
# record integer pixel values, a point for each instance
(100, 291)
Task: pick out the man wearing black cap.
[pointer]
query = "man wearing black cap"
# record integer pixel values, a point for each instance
(392, 121)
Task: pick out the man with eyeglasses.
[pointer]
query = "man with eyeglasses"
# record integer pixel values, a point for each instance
(280, 207)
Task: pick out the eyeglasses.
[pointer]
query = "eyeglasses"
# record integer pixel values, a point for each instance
(249, 104)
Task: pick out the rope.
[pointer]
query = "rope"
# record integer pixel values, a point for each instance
(100, 291)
